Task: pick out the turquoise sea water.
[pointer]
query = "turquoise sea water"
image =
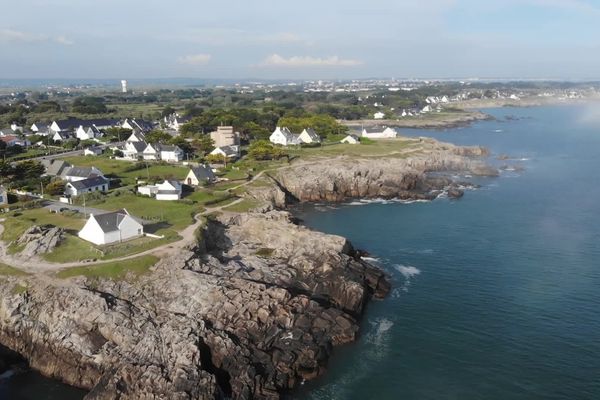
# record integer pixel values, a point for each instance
(496, 295)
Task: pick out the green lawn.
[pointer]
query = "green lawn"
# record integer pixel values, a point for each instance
(122, 169)
(15, 225)
(118, 270)
(243, 206)
(379, 147)
(7, 270)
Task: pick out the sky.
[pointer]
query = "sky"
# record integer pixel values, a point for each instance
(308, 39)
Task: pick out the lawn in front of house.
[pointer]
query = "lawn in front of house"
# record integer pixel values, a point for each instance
(126, 170)
(375, 147)
(18, 222)
(118, 270)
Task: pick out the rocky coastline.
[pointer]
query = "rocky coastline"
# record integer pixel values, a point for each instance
(254, 309)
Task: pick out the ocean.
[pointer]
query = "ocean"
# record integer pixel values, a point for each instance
(496, 295)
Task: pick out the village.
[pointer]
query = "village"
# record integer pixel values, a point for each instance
(135, 198)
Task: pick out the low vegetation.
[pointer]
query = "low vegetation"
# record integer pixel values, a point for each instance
(119, 270)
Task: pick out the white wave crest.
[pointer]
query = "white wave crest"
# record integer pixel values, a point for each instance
(407, 271)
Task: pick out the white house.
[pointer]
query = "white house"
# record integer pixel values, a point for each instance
(168, 190)
(309, 135)
(14, 141)
(226, 151)
(350, 139)
(283, 136)
(111, 227)
(385, 134)
(170, 153)
(426, 109)
(134, 150)
(39, 128)
(74, 174)
(175, 121)
(93, 151)
(151, 152)
(379, 115)
(136, 137)
(61, 136)
(87, 133)
(137, 125)
(94, 184)
(197, 175)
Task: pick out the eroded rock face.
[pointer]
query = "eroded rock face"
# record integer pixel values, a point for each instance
(253, 311)
(40, 239)
(415, 176)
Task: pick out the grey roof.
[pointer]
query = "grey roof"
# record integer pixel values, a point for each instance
(110, 222)
(74, 123)
(139, 146)
(165, 147)
(82, 172)
(89, 183)
(55, 167)
(203, 172)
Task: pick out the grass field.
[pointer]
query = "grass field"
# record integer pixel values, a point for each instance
(122, 169)
(380, 147)
(15, 225)
(243, 206)
(7, 270)
(118, 270)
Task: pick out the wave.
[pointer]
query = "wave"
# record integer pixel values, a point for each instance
(407, 271)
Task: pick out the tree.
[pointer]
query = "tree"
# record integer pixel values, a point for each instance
(204, 144)
(157, 136)
(182, 144)
(324, 125)
(55, 188)
(117, 134)
(90, 105)
(265, 150)
(168, 110)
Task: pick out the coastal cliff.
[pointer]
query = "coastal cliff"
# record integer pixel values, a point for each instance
(422, 174)
(251, 312)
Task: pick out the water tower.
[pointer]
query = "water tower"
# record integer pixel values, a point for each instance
(124, 86)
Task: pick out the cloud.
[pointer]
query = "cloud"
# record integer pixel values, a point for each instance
(195, 59)
(275, 60)
(11, 35)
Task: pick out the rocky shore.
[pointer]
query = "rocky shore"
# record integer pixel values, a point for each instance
(251, 312)
(420, 175)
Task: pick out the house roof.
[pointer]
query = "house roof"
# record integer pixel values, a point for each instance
(110, 222)
(89, 183)
(74, 123)
(139, 146)
(228, 150)
(165, 147)
(203, 172)
(8, 138)
(55, 167)
(82, 172)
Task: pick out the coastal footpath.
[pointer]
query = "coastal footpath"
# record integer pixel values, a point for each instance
(251, 310)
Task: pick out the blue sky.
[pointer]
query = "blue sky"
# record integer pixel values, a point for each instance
(301, 39)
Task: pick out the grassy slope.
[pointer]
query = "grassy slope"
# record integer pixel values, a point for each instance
(113, 270)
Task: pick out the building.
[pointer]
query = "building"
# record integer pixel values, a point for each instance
(134, 150)
(124, 86)
(40, 128)
(55, 167)
(137, 125)
(87, 133)
(74, 174)
(379, 115)
(309, 135)
(170, 153)
(283, 136)
(72, 124)
(387, 133)
(167, 191)
(93, 151)
(14, 141)
(225, 136)
(199, 175)
(230, 152)
(176, 121)
(350, 139)
(88, 185)
(3, 196)
(136, 137)
(111, 227)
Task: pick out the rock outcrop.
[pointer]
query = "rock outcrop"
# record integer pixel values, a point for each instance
(253, 311)
(40, 239)
(417, 175)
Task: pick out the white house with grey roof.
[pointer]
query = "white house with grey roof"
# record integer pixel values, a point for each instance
(74, 174)
(89, 185)
(112, 227)
(309, 135)
(386, 133)
(168, 190)
(200, 174)
(230, 152)
(283, 136)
